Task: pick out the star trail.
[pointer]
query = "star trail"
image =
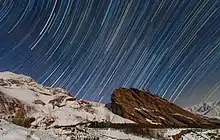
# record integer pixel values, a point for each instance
(91, 47)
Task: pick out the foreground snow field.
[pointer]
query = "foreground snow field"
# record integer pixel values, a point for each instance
(10, 131)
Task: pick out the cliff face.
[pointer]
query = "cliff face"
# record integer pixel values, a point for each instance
(145, 108)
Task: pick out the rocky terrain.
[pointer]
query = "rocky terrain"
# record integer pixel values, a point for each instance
(145, 108)
(30, 111)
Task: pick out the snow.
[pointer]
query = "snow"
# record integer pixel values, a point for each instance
(183, 116)
(144, 109)
(209, 109)
(21, 94)
(112, 134)
(71, 113)
(138, 109)
(195, 134)
(161, 118)
(9, 131)
(10, 75)
(171, 132)
(150, 121)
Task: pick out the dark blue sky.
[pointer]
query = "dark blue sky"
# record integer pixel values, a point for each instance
(91, 47)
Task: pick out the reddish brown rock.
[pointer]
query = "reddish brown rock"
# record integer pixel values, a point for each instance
(152, 111)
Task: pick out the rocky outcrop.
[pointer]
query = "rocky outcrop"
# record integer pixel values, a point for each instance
(152, 111)
(16, 111)
(10, 106)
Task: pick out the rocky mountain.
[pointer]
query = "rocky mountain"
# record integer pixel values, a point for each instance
(152, 111)
(210, 109)
(32, 111)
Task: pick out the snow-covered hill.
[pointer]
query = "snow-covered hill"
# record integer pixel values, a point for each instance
(21, 99)
(45, 103)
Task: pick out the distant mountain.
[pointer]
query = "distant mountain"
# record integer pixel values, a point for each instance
(152, 111)
(210, 109)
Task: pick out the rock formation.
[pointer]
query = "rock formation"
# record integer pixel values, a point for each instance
(152, 111)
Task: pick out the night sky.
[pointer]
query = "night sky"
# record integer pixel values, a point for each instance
(91, 47)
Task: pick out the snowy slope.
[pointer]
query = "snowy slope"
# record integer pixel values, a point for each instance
(52, 108)
(54, 103)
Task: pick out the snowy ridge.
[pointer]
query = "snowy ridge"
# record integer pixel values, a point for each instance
(210, 109)
(10, 75)
(54, 102)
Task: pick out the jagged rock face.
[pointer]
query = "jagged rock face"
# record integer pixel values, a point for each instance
(151, 110)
